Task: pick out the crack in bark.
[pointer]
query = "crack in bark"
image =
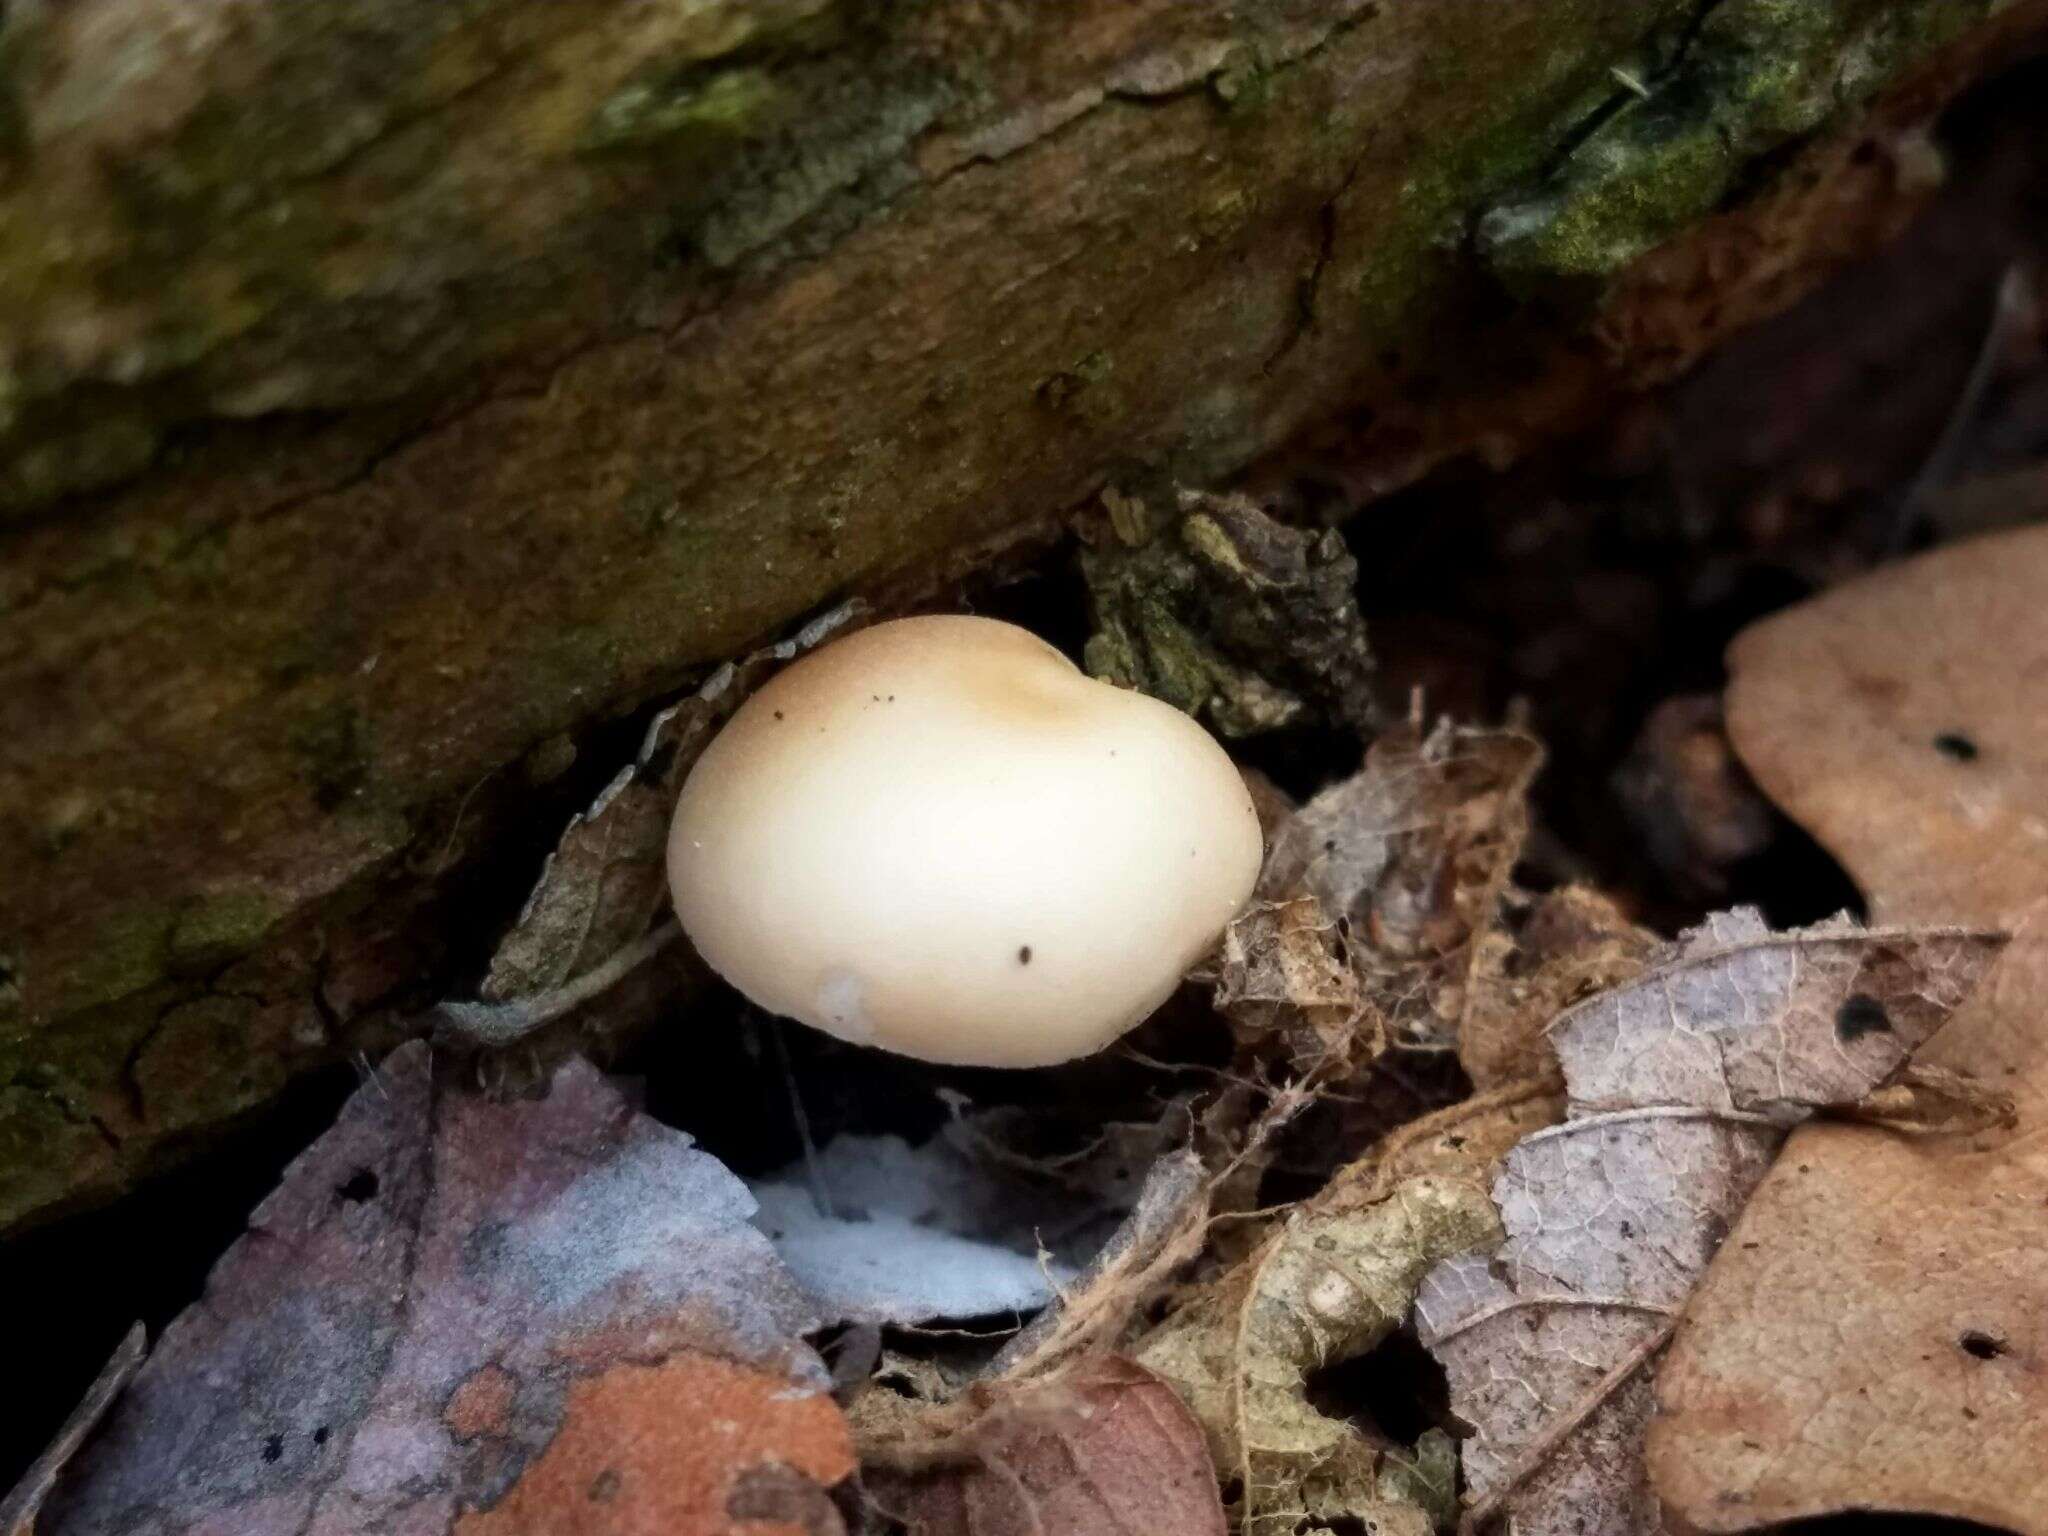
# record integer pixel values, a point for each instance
(1139, 94)
(1309, 288)
(1613, 106)
(70, 1113)
(1130, 85)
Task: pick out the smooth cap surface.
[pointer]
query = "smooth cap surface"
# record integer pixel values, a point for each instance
(940, 837)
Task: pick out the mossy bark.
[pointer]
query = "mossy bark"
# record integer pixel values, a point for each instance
(392, 388)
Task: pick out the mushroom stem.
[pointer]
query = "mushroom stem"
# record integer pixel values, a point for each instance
(814, 1172)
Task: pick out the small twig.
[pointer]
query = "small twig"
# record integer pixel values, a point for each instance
(366, 1074)
(1552, 1299)
(1927, 1100)
(501, 1024)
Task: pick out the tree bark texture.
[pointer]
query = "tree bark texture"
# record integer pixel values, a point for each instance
(393, 391)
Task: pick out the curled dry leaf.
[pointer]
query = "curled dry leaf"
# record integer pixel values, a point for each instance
(1325, 1289)
(1334, 1278)
(1682, 1084)
(460, 1315)
(1567, 945)
(19, 1509)
(1872, 1334)
(1103, 1448)
(1285, 976)
(1231, 615)
(606, 881)
(1410, 855)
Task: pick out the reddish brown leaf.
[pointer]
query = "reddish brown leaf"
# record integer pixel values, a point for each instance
(449, 1313)
(691, 1447)
(1104, 1449)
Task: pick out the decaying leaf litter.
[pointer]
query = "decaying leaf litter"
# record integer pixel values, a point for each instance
(1901, 719)
(492, 1311)
(508, 1296)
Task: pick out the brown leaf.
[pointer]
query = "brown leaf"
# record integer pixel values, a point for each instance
(1569, 944)
(1899, 719)
(1285, 975)
(1411, 855)
(1103, 1449)
(1682, 1084)
(1871, 1336)
(606, 880)
(456, 1313)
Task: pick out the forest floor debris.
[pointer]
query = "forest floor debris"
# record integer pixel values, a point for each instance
(1449, 1196)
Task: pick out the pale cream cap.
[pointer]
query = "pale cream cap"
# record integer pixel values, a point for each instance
(940, 837)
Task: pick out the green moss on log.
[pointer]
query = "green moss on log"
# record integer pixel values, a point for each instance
(1684, 121)
(450, 415)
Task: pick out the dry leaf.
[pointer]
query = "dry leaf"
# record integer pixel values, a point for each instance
(1411, 855)
(456, 1314)
(1285, 976)
(1336, 1277)
(1102, 1449)
(1901, 720)
(1872, 1335)
(19, 1509)
(1682, 1084)
(1324, 1289)
(606, 880)
(1569, 944)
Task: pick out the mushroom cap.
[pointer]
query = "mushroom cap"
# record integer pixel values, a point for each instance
(941, 837)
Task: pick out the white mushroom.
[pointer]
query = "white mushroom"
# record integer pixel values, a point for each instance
(940, 837)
